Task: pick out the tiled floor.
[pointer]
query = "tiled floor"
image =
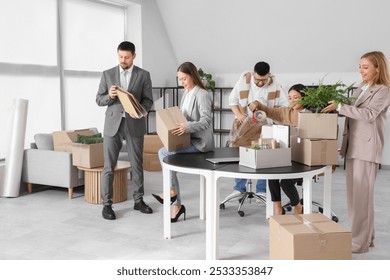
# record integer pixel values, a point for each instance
(47, 225)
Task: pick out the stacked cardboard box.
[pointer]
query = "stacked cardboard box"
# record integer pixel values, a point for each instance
(316, 142)
(152, 144)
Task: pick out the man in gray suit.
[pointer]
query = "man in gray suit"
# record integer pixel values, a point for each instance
(119, 125)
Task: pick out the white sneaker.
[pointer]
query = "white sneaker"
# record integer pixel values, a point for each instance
(261, 194)
(234, 196)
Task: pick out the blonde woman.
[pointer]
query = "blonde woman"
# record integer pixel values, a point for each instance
(362, 147)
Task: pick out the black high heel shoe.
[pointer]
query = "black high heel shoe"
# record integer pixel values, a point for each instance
(181, 211)
(161, 200)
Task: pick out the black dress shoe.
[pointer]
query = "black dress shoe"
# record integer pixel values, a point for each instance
(161, 200)
(108, 213)
(181, 211)
(143, 207)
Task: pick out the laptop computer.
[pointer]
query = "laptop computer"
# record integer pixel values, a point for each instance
(223, 160)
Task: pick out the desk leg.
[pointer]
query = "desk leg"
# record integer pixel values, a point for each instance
(270, 205)
(307, 195)
(202, 198)
(212, 216)
(327, 192)
(167, 206)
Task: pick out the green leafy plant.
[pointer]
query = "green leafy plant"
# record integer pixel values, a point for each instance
(317, 97)
(207, 80)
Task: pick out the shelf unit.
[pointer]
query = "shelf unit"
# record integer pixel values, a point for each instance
(164, 93)
(221, 111)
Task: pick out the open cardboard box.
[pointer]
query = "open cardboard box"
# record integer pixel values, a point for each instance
(64, 139)
(266, 158)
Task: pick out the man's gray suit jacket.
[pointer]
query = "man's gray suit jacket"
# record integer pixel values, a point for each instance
(140, 86)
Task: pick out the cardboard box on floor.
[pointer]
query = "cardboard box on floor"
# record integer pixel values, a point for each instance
(317, 126)
(308, 237)
(63, 140)
(152, 144)
(314, 152)
(151, 162)
(166, 120)
(88, 155)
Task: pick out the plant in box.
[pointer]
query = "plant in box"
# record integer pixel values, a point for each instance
(317, 97)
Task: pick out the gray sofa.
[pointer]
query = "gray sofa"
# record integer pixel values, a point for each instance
(44, 166)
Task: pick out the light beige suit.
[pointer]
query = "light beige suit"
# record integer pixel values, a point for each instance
(363, 141)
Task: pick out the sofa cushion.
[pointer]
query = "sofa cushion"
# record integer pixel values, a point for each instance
(44, 141)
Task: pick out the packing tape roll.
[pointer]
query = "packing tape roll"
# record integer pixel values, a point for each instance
(15, 150)
(260, 116)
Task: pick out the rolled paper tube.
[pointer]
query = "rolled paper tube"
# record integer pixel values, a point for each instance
(14, 157)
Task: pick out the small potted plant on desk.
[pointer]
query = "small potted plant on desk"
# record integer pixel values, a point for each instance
(317, 97)
(207, 80)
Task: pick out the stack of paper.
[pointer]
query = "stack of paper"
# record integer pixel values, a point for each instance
(130, 103)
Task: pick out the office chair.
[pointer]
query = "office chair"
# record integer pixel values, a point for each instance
(287, 207)
(249, 194)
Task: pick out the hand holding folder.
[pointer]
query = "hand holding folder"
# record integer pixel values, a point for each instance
(130, 103)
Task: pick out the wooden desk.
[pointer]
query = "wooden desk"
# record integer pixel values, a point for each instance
(93, 178)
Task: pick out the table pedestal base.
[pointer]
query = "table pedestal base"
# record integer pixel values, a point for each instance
(93, 186)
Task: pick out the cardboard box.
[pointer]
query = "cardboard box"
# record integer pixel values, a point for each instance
(317, 126)
(314, 152)
(308, 237)
(88, 155)
(265, 158)
(64, 139)
(151, 162)
(152, 144)
(166, 121)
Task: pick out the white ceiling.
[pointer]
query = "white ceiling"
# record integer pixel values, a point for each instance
(301, 36)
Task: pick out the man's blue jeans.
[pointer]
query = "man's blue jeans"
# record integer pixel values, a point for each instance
(241, 185)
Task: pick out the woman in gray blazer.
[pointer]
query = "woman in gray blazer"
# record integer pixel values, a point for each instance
(362, 147)
(196, 107)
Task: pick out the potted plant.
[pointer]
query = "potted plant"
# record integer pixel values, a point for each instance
(317, 97)
(207, 79)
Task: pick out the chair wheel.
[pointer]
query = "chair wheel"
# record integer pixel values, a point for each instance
(321, 210)
(288, 208)
(222, 206)
(241, 213)
(335, 219)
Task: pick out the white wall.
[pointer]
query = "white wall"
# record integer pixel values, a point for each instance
(159, 57)
(303, 40)
(301, 36)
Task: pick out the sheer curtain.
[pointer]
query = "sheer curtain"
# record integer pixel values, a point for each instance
(52, 53)
(91, 32)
